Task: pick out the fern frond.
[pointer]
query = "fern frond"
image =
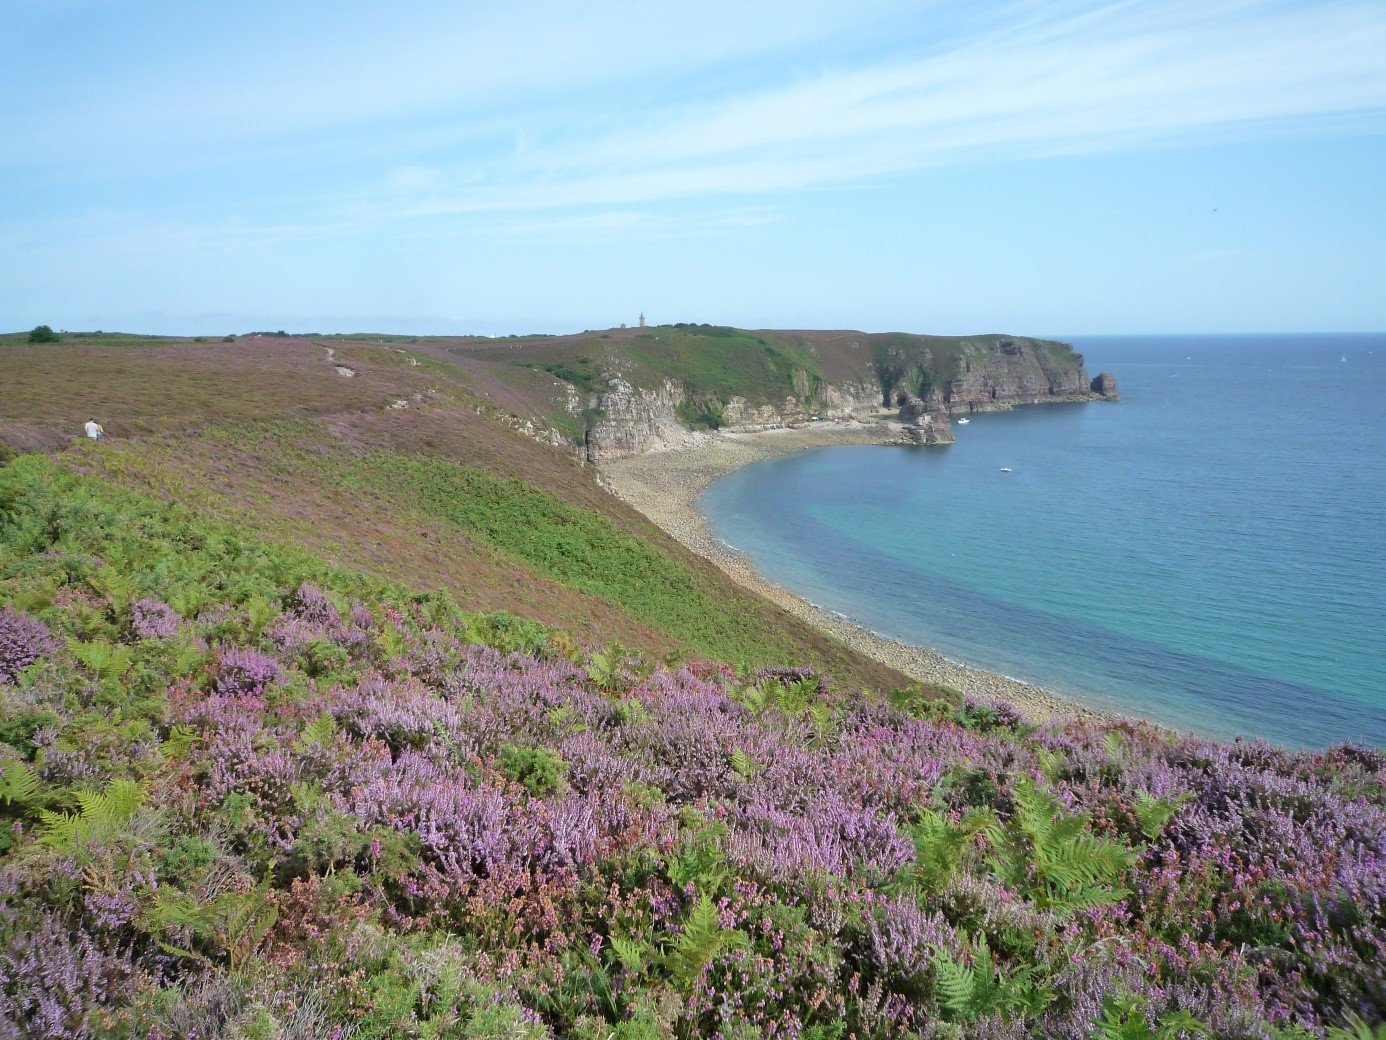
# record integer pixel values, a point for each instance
(1114, 744)
(1181, 1025)
(940, 845)
(106, 660)
(186, 660)
(755, 696)
(702, 864)
(391, 644)
(318, 732)
(246, 920)
(19, 784)
(955, 984)
(1049, 762)
(1153, 814)
(1036, 811)
(631, 712)
(180, 742)
(1355, 1028)
(108, 581)
(630, 952)
(1055, 855)
(743, 764)
(100, 814)
(259, 612)
(703, 938)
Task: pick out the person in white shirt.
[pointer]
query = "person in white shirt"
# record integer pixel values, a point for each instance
(94, 430)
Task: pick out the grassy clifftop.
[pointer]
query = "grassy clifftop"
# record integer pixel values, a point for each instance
(712, 359)
(554, 383)
(557, 376)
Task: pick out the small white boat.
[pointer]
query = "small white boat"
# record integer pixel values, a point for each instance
(1343, 359)
(1005, 469)
(964, 422)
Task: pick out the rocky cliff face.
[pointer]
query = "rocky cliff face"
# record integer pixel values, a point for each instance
(924, 422)
(631, 420)
(988, 375)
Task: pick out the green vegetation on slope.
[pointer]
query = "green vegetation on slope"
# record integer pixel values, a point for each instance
(712, 363)
(575, 547)
(903, 362)
(719, 363)
(266, 433)
(248, 794)
(433, 499)
(59, 528)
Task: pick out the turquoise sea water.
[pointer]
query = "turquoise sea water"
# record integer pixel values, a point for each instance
(1210, 552)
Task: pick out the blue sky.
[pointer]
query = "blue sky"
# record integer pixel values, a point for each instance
(451, 167)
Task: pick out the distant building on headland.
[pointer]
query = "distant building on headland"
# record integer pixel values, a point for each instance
(642, 319)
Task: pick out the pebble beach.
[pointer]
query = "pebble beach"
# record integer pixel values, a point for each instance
(665, 486)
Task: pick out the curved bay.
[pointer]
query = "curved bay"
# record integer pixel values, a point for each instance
(1206, 553)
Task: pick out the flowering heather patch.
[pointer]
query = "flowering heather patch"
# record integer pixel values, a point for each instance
(23, 640)
(324, 807)
(245, 672)
(152, 619)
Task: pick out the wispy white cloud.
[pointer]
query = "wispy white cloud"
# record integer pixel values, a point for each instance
(190, 78)
(1052, 78)
(602, 118)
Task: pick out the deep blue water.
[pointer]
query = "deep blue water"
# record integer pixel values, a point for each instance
(1210, 552)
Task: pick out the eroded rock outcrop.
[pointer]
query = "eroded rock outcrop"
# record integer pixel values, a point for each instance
(1104, 385)
(631, 420)
(987, 374)
(924, 422)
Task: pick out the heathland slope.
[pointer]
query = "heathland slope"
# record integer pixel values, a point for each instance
(393, 462)
(247, 793)
(278, 758)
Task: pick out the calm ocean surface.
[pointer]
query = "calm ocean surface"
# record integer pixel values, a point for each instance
(1210, 552)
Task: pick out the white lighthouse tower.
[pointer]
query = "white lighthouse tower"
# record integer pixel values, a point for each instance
(642, 319)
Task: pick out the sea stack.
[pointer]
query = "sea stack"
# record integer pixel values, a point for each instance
(1104, 385)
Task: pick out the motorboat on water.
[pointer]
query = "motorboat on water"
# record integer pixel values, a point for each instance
(964, 421)
(1005, 469)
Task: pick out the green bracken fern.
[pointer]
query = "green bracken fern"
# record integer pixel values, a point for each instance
(1153, 813)
(940, 846)
(703, 938)
(100, 815)
(19, 784)
(1054, 855)
(967, 992)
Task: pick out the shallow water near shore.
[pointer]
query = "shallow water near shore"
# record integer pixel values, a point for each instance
(1207, 553)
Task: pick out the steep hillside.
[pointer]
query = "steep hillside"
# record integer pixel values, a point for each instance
(247, 794)
(393, 462)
